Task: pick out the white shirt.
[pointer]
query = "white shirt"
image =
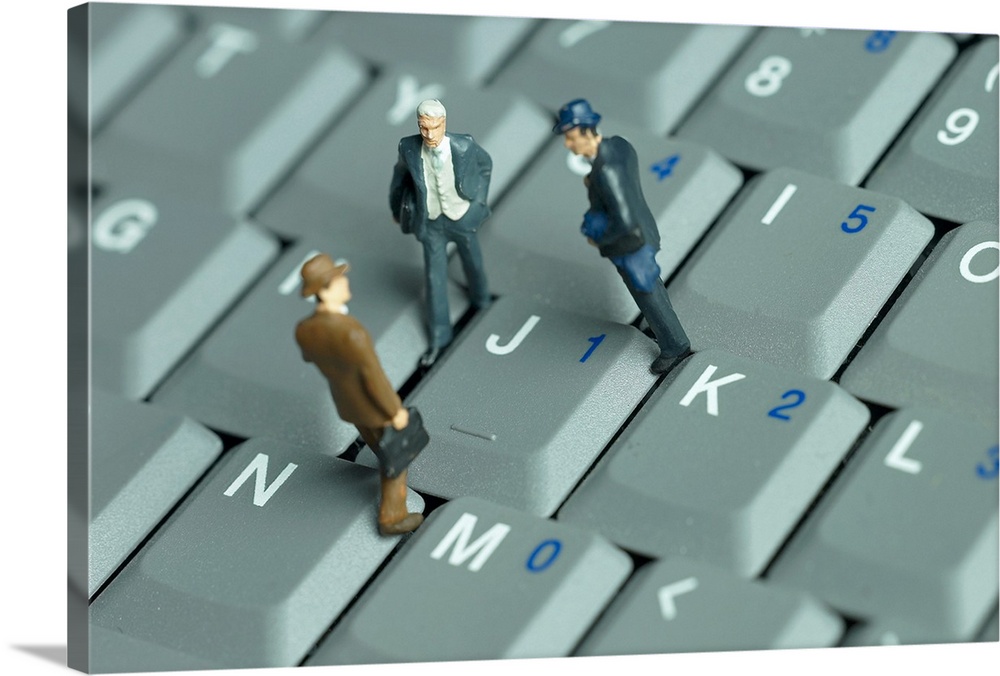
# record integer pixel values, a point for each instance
(442, 197)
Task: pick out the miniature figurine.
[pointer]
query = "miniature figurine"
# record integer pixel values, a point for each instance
(620, 224)
(343, 351)
(438, 192)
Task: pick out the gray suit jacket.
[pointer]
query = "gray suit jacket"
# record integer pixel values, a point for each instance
(408, 192)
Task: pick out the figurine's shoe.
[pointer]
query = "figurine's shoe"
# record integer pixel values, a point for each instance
(428, 358)
(665, 362)
(408, 523)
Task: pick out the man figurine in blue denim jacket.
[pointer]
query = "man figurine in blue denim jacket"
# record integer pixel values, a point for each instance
(620, 224)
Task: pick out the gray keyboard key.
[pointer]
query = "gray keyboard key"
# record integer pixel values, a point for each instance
(483, 404)
(888, 632)
(143, 460)
(468, 49)
(824, 101)
(112, 651)
(241, 102)
(644, 74)
(909, 530)
(677, 605)
(164, 267)
(794, 273)
(122, 45)
(721, 464)
(248, 378)
(254, 567)
(532, 244)
(937, 347)
(476, 582)
(945, 163)
(322, 195)
(991, 630)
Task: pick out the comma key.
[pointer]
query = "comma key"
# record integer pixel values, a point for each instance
(678, 605)
(909, 530)
(251, 570)
(498, 583)
(937, 346)
(795, 272)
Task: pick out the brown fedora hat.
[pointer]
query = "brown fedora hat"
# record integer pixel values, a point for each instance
(318, 272)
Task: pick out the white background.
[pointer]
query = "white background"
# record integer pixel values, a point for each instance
(32, 336)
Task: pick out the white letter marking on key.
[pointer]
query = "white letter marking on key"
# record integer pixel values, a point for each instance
(493, 342)
(459, 536)
(261, 491)
(710, 388)
(896, 458)
(408, 97)
(124, 224)
(226, 40)
(965, 267)
(668, 593)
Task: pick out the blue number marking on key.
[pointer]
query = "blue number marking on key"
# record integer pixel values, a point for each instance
(991, 472)
(879, 41)
(776, 412)
(531, 564)
(664, 167)
(862, 219)
(595, 341)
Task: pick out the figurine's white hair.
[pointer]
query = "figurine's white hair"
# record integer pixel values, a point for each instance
(431, 108)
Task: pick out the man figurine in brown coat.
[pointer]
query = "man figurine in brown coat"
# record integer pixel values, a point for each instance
(343, 351)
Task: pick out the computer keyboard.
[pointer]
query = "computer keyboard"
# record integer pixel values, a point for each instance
(822, 471)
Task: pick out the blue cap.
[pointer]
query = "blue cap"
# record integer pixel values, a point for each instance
(576, 113)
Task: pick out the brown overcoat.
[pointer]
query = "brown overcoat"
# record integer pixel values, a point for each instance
(342, 349)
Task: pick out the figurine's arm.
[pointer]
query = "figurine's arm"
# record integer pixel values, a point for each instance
(301, 337)
(623, 234)
(373, 379)
(400, 175)
(484, 166)
(476, 184)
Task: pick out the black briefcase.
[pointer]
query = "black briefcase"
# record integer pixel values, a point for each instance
(398, 448)
(408, 209)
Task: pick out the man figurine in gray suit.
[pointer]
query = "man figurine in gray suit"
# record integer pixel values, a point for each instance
(621, 226)
(438, 192)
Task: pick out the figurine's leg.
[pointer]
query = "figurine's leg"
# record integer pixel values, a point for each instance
(659, 313)
(467, 245)
(393, 515)
(436, 274)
